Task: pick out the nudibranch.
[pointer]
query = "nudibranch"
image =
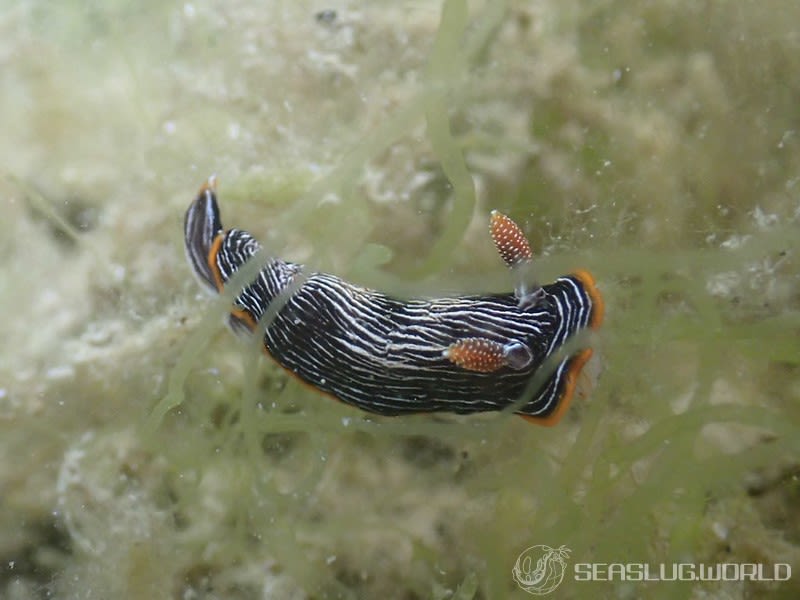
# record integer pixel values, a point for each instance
(389, 356)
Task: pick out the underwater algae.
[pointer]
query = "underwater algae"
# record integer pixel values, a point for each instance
(151, 455)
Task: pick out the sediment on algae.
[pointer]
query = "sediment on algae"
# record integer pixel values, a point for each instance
(152, 454)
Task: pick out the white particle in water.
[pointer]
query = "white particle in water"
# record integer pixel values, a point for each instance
(60, 372)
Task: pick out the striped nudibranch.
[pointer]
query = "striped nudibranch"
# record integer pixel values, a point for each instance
(387, 356)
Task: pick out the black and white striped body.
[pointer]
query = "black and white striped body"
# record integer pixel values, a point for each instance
(389, 356)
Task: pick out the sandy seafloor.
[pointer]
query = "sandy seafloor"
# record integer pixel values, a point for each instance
(655, 143)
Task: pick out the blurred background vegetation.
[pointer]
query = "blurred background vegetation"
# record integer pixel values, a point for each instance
(655, 143)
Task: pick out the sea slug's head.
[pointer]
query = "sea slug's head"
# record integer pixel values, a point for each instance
(202, 229)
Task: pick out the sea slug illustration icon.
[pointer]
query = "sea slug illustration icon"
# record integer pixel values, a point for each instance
(540, 569)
